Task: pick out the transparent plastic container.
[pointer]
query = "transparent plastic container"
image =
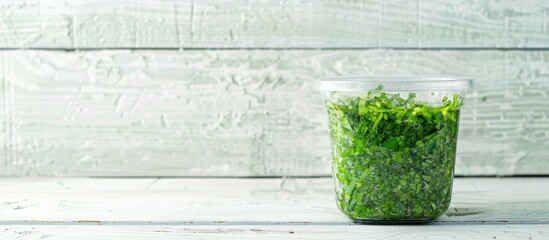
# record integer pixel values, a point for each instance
(393, 144)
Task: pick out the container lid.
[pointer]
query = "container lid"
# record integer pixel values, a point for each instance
(394, 83)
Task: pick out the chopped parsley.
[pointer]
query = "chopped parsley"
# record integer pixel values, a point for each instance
(393, 156)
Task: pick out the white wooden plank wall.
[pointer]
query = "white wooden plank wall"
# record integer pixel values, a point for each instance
(244, 112)
(273, 24)
(224, 88)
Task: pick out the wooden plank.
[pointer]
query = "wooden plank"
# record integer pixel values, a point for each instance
(522, 231)
(3, 120)
(448, 23)
(93, 24)
(242, 113)
(199, 201)
(280, 24)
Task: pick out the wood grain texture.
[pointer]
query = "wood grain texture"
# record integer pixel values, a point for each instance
(273, 24)
(3, 119)
(482, 208)
(473, 232)
(244, 113)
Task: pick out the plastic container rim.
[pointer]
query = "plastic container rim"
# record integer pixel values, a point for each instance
(395, 83)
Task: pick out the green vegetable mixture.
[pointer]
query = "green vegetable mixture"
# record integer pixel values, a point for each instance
(393, 156)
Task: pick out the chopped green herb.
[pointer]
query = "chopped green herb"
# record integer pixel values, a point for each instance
(484, 98)
(393, 157)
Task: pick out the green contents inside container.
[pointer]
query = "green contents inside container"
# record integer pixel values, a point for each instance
(393, 149)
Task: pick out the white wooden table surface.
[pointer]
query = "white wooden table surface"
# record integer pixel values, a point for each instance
(197, 208)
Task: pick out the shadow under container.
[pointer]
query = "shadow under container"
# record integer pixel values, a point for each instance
(393, 141)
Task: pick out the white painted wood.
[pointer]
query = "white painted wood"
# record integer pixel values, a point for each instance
(314, 232)
(241, 113)
(273, 24)
(84, 208)
(203, 201)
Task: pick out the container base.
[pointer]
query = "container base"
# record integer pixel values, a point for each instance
(392, 222)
